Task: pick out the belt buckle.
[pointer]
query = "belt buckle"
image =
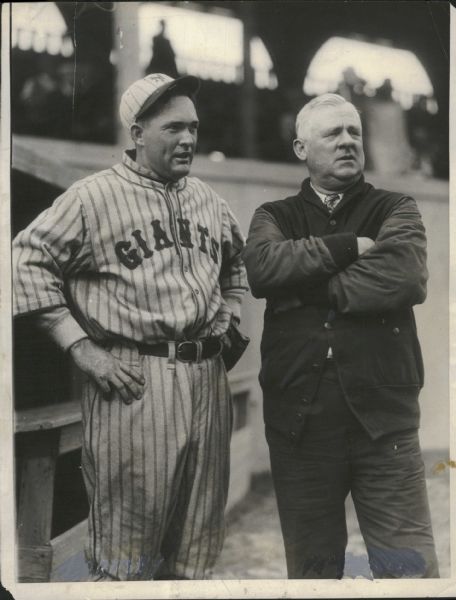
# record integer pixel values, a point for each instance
(179, 347)
(220, 350)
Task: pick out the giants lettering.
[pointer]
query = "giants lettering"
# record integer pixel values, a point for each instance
(132, 257)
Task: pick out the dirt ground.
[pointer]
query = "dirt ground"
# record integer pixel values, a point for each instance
(254, 550)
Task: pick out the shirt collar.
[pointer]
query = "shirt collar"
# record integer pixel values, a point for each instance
(128, 161)
(309, 194)
(323, 196)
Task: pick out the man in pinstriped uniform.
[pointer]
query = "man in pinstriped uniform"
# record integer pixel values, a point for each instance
(135, 271)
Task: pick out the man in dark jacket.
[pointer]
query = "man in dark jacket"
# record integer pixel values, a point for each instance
(341, 264)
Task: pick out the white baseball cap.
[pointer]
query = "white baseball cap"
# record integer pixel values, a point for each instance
(143, 93)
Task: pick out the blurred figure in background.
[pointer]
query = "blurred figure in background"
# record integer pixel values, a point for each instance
(163, 57)
(39, 99)
(64, 100)
(420, 135)
(352, 88)
(387, 142)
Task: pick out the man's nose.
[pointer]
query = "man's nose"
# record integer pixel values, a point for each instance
(345, 139)
(187, 138)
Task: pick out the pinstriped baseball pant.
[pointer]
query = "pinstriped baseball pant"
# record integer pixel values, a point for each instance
(157, 471)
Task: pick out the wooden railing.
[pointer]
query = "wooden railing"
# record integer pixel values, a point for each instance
(44, 434)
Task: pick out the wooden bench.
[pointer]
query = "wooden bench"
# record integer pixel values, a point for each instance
(47, 432)
(42, 435)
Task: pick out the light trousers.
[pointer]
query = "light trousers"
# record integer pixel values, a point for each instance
(157, 471)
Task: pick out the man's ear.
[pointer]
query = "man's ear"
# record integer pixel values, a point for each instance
(136, 132)
(300, 149)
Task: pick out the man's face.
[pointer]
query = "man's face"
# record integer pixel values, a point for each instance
(167, 140)
(333, 149)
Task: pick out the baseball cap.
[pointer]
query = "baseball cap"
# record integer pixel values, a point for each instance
(143, 93)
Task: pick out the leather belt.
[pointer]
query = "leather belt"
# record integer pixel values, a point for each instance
(186, 351)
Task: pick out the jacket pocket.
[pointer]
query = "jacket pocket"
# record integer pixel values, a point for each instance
(392, 350)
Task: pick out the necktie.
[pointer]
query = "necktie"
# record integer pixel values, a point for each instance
(331, 201)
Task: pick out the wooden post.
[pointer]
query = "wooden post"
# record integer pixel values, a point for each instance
(126, 48)
(38, 453)
(248, 109)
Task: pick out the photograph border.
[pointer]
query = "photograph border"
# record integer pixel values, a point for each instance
(359, 588)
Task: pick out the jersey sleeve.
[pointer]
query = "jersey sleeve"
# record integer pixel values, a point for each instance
(233, 279)
(277, 265)
(390, 275)
(54, 246)
(59, 324)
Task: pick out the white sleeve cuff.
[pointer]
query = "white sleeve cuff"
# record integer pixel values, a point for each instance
(61, 327)
(234, 302)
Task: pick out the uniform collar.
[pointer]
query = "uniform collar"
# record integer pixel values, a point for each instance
(134, 172)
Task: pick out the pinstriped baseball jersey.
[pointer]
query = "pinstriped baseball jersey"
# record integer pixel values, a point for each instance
(134, 258)
(127, 259)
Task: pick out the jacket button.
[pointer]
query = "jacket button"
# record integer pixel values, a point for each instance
(293, 434)
(333, 222)
(396, 331)
(328, 325)
(305, 400)
(299, 416)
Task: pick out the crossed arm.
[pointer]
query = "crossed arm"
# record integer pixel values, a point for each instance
(349, 273)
